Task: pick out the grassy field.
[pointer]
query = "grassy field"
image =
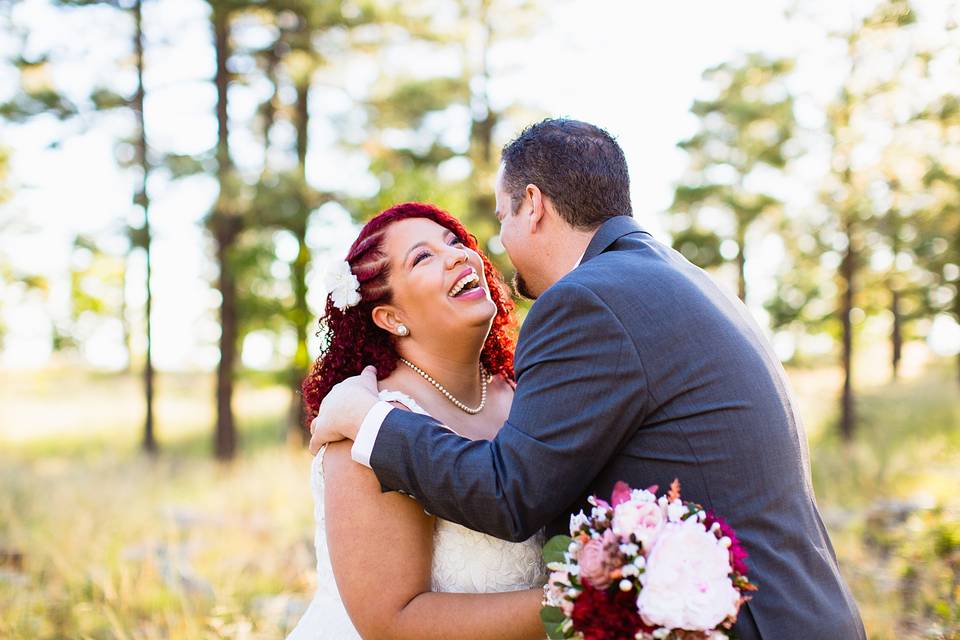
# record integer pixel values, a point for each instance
(99, 541)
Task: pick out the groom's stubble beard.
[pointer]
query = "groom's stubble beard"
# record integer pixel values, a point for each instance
(520, 287)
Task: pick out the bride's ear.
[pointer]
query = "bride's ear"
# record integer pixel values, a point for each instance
(387, 317)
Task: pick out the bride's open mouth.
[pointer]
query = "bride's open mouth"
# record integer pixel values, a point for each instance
(467, 287)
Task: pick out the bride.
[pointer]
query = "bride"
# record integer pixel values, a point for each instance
(418, 300)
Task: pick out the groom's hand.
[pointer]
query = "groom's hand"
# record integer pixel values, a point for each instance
(344, 408)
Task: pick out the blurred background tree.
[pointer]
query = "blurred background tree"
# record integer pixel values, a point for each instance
(881, 241)
(938, 233)
(819, 180)
(308, 38)
(851, 190)
(40, 98)
(436, 137)
(745, 128)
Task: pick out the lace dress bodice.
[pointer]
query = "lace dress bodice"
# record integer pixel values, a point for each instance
(464, 561)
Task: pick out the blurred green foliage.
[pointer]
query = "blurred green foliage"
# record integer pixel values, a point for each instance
(874, 237)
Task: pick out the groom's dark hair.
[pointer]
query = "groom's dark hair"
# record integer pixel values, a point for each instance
(579, 166)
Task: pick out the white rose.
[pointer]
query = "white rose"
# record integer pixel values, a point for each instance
(553, 594)
(686, 584)
(599, 514)
(642, 495)
(642, 519)
(342, 286)
(577, 521)
(675, 511)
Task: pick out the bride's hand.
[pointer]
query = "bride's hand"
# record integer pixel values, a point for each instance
(344, 408)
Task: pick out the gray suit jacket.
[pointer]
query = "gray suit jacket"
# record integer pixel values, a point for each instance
(636, 367)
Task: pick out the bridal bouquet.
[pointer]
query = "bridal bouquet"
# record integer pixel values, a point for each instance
(641, 568)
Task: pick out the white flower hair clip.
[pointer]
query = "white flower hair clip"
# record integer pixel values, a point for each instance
(342, 285)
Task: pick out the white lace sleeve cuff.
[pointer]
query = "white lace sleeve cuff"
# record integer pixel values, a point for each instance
(367, 435)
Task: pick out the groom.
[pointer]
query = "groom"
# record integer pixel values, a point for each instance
(632, 365)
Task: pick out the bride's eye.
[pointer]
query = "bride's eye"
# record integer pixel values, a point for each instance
(455, 240)
(420, 256)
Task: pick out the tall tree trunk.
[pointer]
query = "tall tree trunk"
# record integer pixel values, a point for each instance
(741, 261)
(956, 296)
(143, 198)
(896, 333)
(270, 106)
(302, 125)
(481, 135)
(225, 223)
(847, 270)
(298, 273)
(484, 119)
(225, 439)
(301, 358)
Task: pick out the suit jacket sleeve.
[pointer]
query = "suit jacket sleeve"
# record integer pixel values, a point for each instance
(580, 392)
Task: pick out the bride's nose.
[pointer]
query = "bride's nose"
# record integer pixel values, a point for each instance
(455, 256)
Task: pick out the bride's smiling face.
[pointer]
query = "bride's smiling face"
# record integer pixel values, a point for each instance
(438, 284)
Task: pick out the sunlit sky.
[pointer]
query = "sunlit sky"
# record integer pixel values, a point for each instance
(631, 66)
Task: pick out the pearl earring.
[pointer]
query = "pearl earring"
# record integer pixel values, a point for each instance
(402, 330)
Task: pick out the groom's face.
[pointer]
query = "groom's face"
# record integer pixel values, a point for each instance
(514, 235)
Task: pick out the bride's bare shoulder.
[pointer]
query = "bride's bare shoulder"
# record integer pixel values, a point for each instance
(352, 492)
(340, 470)
(336, 457)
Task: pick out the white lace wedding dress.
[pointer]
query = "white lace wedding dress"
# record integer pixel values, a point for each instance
(464, 561)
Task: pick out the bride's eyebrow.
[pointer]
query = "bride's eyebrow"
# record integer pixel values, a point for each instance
(410, 250)
(406, 257)
(424, 242)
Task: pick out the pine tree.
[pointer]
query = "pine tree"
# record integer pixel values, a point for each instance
(939, 250)
(746, 126)
(847, 189)
(225, 223)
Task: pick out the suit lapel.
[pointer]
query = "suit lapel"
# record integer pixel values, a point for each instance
(608, 233)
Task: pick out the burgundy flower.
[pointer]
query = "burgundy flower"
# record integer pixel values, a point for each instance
(738, 555)
(607, 615)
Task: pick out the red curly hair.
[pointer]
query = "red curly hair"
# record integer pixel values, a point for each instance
(351, 340)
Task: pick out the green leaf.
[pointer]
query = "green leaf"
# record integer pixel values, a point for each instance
(555, 548)
(553, 619)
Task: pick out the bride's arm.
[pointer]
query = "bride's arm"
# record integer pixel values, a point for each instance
(381, 548)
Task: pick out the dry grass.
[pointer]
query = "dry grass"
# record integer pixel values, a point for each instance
(99, 541)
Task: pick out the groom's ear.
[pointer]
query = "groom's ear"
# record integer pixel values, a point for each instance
(538, 208)
(387, 318)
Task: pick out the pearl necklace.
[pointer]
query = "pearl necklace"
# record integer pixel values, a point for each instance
(483, 388)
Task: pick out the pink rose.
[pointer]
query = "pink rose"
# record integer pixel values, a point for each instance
(598, 558)
(642, 519)
(593, 568)
(621, 493)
